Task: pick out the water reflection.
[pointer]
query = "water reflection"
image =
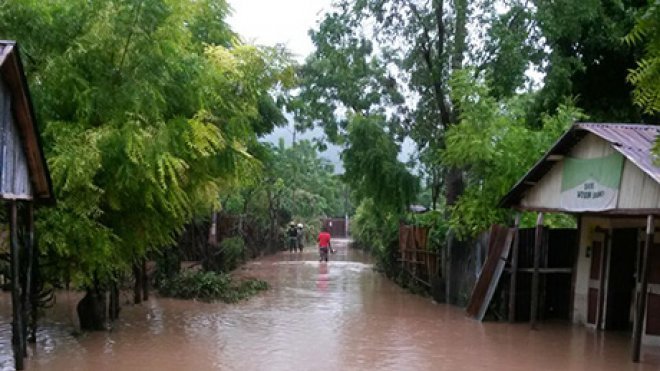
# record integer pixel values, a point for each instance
(336, 316)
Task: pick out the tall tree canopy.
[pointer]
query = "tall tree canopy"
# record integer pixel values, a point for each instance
(148, 109)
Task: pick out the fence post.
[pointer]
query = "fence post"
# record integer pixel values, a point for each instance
(538, 240)
(514, 270)
(640, 309)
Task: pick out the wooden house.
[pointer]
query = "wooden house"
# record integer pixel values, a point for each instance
(24, 181)
(606, 175)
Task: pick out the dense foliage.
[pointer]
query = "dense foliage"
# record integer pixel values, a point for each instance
(646, 75)
(294, 185)
(210, 286)
(148, 111)
(495, 147)
(482, 89)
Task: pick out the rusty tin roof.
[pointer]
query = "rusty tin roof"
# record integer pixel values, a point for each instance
(633, 141)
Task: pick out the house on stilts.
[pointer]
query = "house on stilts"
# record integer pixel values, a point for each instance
(606, 175)
(24, 182)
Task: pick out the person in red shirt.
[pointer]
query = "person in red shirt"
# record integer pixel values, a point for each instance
(324, 244)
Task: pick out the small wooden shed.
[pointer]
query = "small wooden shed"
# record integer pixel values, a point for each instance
(606, 175)
(24, 181)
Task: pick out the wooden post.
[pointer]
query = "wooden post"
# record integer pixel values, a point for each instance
(514, 269)
(640, 310)
(17, 323)
(448, 261)
(538, 240)
(29, 276)
(576, 257)
(603, 278)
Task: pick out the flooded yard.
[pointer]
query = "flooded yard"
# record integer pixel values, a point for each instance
(339, 316)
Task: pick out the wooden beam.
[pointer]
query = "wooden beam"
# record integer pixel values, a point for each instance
(576, 258)
(640, 310)
(641, 213)
(514, 269)
(504, 254)
(603, 278)
(17, 312)
(546, 270)
(538, 240)
(30, 260)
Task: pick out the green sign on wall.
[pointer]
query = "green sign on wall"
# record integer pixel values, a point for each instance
(591, 184)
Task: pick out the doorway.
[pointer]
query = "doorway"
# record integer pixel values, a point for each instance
(621, 279)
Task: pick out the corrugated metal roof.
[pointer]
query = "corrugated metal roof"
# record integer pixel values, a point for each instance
(633, 141)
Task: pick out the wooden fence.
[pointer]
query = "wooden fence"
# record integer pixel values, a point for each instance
(415, 257)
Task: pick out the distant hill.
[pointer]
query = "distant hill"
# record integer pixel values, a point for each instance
(332, 154)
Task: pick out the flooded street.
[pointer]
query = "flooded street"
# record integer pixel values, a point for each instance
(339, 316)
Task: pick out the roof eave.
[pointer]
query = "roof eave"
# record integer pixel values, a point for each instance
(566, 141)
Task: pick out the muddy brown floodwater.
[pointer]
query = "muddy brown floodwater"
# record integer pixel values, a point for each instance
(337, 316)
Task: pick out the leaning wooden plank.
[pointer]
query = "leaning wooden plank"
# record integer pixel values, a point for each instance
(499, 268)
(497, 237)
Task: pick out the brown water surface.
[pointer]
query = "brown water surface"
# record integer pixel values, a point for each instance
(337, 316)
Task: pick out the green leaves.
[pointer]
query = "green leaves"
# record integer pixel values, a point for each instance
(210, 286)
(149, 109)
(646, 76)
(372, 167)
(495, 146)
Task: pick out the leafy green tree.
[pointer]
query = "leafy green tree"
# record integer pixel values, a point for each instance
(646, 76)
(495, 146)
(148, 110)
(372, 168)
(585, 57)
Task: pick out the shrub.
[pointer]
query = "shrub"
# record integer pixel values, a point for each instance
(233, 249)
(210, 286)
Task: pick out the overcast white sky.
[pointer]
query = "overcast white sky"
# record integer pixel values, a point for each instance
(270, 22)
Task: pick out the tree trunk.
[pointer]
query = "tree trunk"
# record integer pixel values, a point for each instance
(114, 302)
(145, 281)
(137, 288)
(91, 310)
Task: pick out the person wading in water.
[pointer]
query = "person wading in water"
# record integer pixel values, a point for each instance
(292, 233)
(324, 244)
(301, 235)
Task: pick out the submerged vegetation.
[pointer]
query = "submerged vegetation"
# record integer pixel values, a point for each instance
(210, 286)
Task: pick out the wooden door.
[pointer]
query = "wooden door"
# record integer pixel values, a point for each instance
(652, 320)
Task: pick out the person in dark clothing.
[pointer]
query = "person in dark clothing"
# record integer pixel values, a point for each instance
(301, 235)
(292, 234)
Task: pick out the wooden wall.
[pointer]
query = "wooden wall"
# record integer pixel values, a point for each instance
(637, 190)
(14, 173)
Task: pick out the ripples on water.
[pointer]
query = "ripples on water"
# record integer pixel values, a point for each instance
(337, 316)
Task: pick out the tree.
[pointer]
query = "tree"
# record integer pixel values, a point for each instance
(646, 75)
(584, 57)
(496, 146)
(147, 112)
(372, 168)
